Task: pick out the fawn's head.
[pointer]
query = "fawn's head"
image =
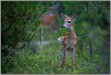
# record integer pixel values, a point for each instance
(68, 21)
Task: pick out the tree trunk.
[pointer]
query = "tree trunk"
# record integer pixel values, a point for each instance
(41, 38)
(89, 27)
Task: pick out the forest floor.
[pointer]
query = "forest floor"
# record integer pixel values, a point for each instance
(47, 62)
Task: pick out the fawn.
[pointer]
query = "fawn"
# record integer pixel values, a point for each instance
(50, 18)
(68, 41)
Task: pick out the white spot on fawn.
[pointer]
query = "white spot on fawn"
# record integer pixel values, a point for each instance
(60, 40)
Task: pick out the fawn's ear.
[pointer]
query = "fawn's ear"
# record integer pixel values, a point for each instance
(63, 16)
(74, 17)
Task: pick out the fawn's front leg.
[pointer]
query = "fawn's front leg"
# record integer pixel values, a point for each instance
(64, 58)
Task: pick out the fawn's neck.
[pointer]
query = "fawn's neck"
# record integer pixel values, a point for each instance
(71, 33)
(70, 39)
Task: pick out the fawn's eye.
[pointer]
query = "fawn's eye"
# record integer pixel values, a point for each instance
(68, 21)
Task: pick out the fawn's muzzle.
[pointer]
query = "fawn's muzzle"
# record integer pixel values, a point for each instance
(62, 26)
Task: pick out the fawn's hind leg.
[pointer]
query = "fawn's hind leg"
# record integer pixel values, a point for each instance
(73, 58)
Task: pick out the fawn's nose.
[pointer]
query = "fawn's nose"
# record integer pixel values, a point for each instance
(62, 26)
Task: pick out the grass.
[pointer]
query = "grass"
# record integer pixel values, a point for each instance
(24, 62)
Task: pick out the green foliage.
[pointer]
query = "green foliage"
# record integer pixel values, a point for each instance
(19, 22)
(48, 63)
